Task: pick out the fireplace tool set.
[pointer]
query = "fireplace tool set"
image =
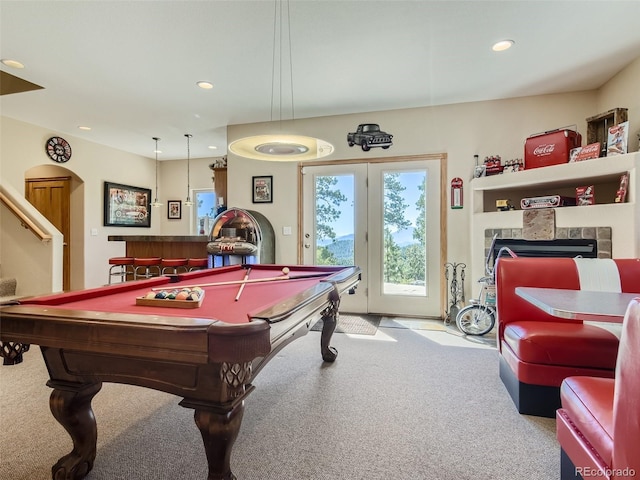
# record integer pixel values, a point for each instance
(455, 289)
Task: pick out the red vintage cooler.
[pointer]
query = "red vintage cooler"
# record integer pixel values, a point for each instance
(550, 148)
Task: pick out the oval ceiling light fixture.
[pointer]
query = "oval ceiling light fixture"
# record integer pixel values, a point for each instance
(281, 148)
(84, 127)
(502, 45)
(205, 85)
(12, 63)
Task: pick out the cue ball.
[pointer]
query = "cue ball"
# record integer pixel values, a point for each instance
(285, 270)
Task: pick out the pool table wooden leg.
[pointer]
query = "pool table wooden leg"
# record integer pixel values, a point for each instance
(219, 430)
(329, 322)
(70, 404)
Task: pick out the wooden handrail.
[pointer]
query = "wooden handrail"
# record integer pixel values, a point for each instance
(26, 221)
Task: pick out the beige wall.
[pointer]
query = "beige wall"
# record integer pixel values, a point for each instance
(460, 131)
(22, 150)
(23, 155)
(173, 186)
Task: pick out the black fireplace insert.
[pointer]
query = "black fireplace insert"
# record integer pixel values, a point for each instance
(560, 247)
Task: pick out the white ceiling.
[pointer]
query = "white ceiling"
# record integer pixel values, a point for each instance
(128, 69)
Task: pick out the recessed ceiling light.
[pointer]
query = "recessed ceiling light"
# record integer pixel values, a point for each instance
(502, 45)
(12, 63)
(83, 127)
(205, 85)
(213, 147)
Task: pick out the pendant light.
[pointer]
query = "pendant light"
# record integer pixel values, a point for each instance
(156, 202)
(281, 147)
(188, 202)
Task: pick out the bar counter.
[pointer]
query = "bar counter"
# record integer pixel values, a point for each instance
(164, 246)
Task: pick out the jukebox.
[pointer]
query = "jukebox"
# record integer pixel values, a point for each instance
(241, 237)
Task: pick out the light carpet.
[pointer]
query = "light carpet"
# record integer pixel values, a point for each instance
(403, 404)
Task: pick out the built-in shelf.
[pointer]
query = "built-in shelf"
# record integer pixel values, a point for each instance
(603, 173)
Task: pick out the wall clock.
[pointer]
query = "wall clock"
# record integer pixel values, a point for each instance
(58, 149)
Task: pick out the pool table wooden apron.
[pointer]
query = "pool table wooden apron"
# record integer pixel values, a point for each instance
(207, 355)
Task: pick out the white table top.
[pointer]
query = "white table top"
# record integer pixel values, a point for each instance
(579, 304)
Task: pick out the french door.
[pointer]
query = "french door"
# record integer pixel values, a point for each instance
(385, 218)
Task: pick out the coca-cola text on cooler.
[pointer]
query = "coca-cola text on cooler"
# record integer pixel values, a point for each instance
(541, 150)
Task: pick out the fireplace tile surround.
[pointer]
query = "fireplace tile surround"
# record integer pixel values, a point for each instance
(540, 225)
(601, 234)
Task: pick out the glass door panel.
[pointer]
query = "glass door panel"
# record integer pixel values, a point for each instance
(404, 238)
(334, 202)
(384, 218)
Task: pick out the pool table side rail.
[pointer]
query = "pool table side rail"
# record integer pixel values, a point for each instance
(287, 319)
(132, 335)
(345, 279)
(76, 295)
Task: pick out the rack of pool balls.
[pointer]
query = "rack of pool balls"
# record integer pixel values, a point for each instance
(178, 298)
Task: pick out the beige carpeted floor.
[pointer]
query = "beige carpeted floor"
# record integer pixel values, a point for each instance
(407, 404)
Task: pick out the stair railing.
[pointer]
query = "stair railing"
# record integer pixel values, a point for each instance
(24, 219)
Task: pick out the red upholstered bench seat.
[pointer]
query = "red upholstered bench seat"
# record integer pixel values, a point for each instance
(588, 403)
(538, 350)
(598, 424)
(567, 344)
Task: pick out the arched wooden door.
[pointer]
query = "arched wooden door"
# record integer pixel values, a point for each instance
(52, 198)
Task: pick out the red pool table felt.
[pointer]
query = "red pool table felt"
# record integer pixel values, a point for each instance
(219, 301)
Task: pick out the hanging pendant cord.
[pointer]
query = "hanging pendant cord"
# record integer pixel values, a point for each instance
(188, 201)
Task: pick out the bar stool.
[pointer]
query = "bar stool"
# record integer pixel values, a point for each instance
(120, 267)
(173, 264)
(147, 264)
(197, 263)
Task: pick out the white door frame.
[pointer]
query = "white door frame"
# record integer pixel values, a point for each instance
(444, 204)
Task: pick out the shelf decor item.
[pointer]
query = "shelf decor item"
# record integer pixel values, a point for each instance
(598, 125)
(621, 194)
(550, 148)
(618, 139)
(585, 195)
(587, 152)
(547, 201)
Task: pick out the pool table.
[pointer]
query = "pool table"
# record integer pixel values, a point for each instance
(208, 355)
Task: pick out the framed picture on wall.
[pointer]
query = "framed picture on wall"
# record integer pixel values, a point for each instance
(174, 209)
(126, 206)
(262, 189)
